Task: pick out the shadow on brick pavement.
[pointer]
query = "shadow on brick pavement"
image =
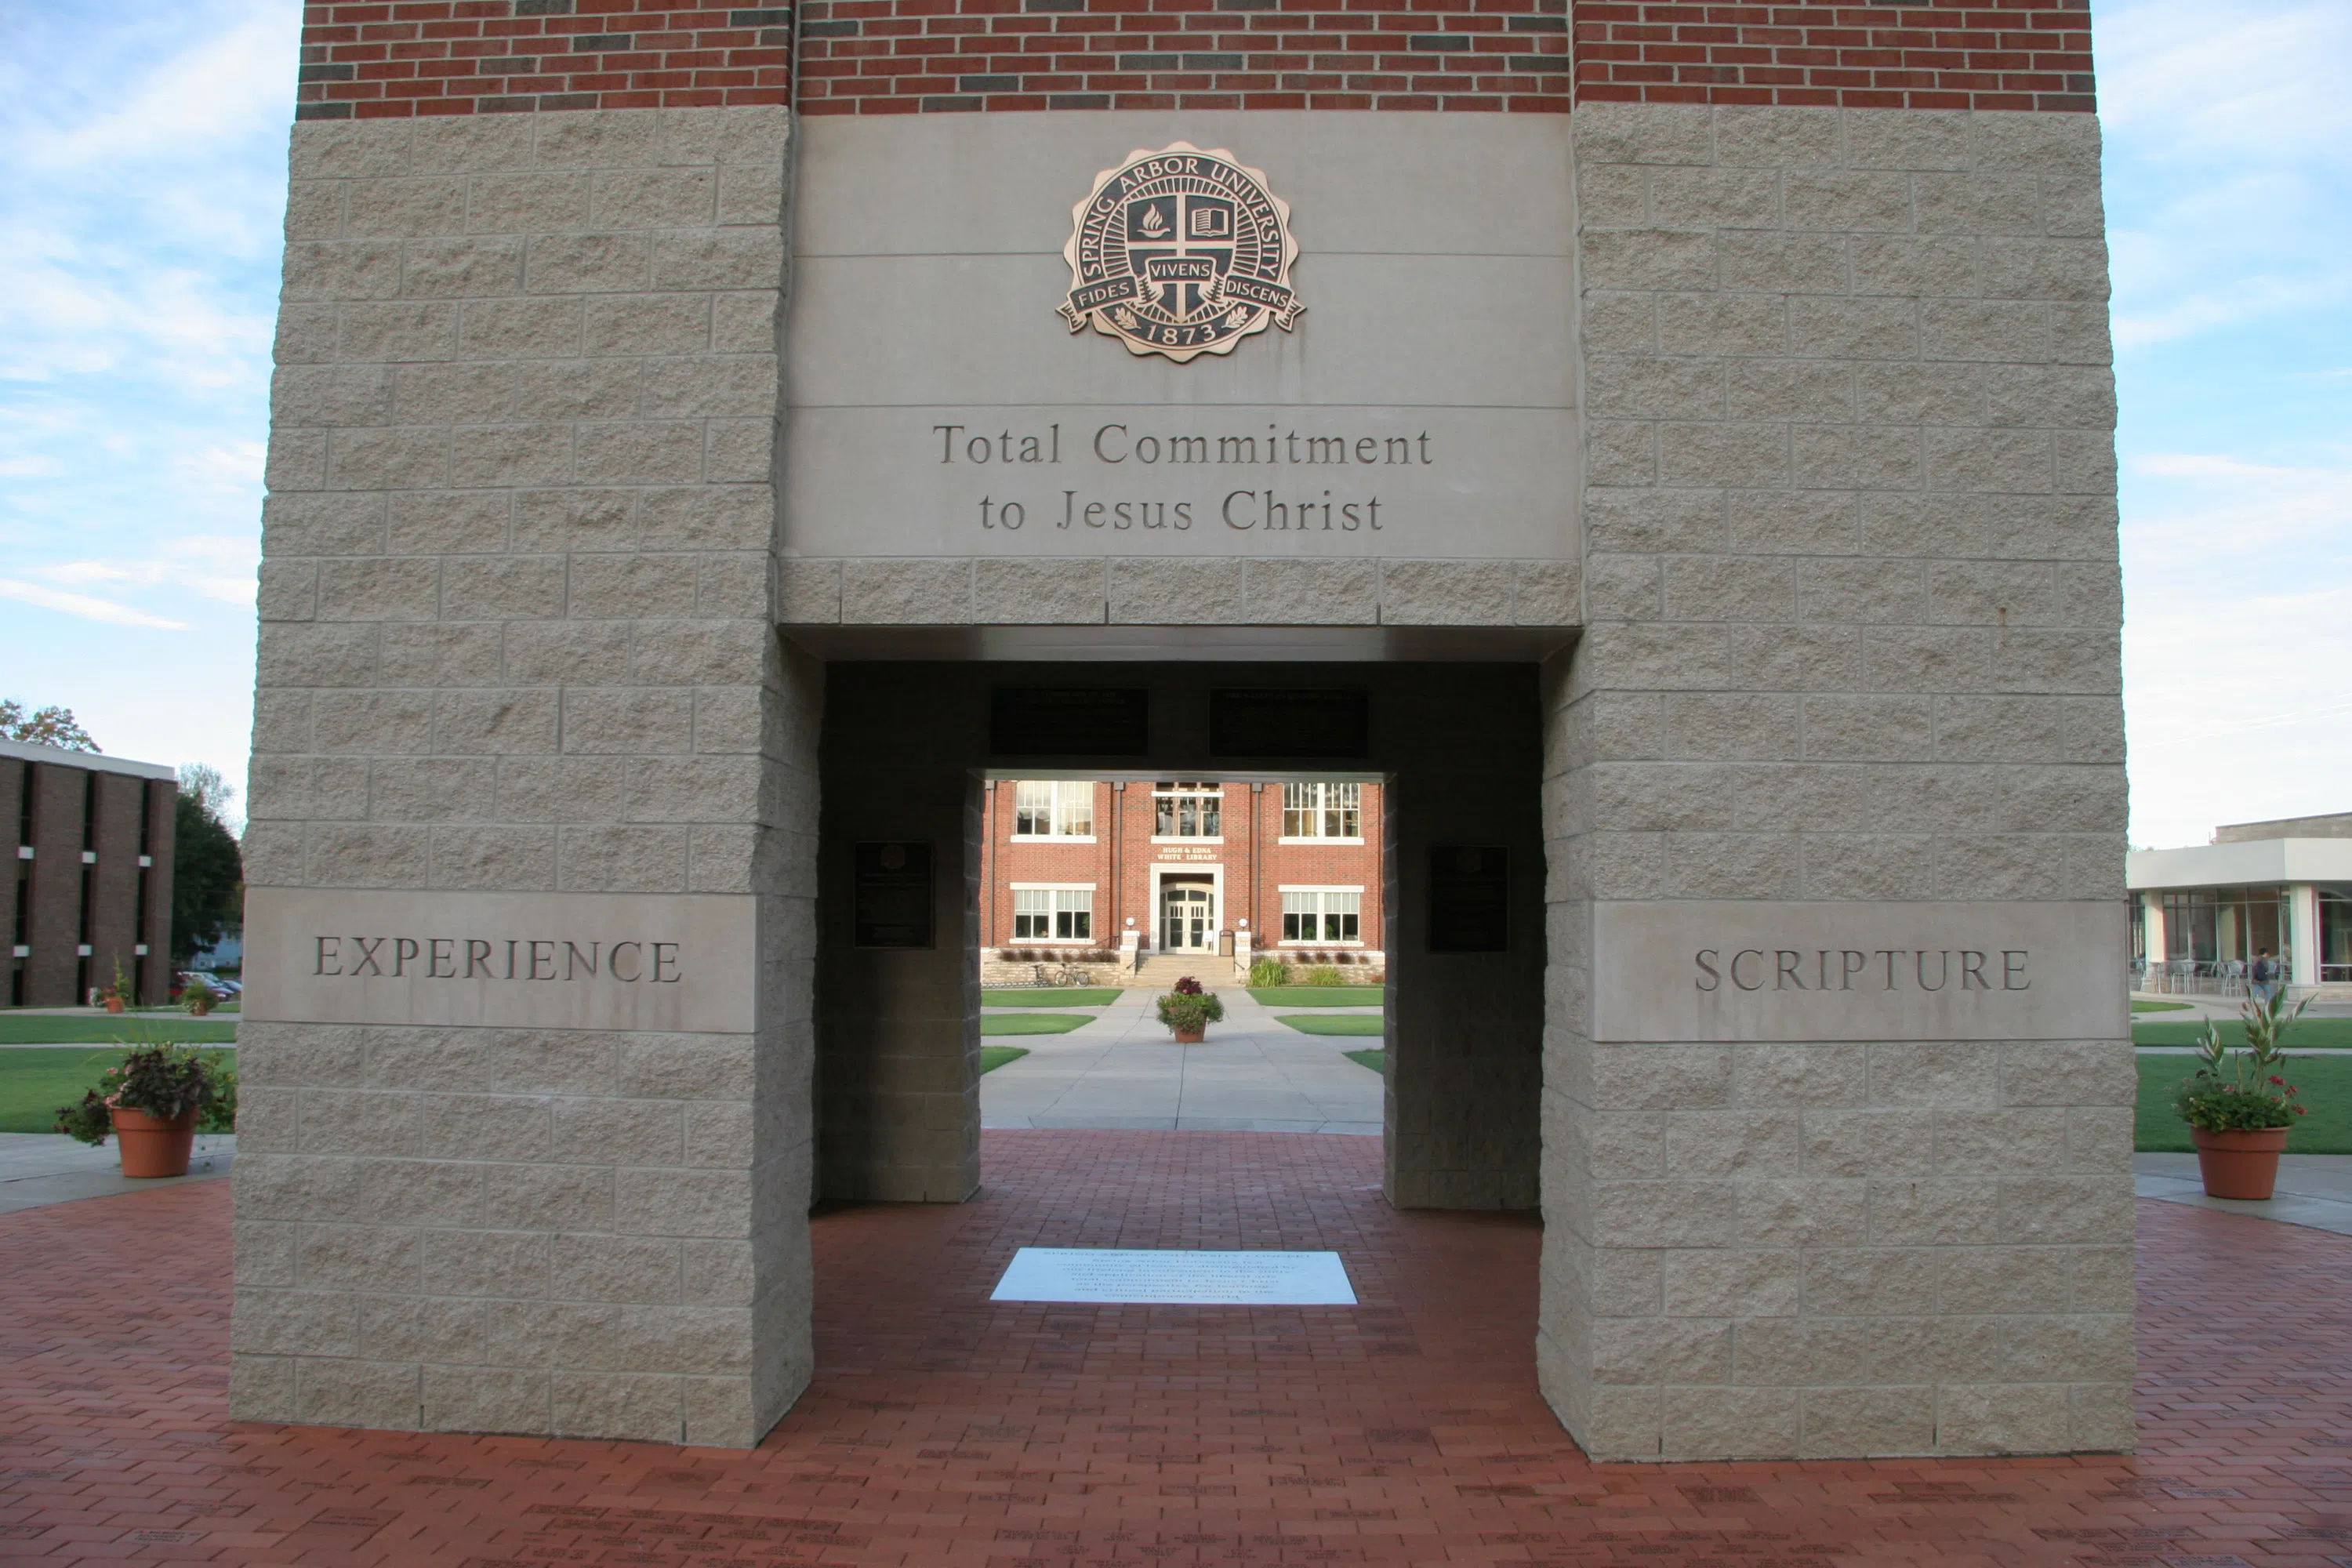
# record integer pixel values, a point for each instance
(942, 1429)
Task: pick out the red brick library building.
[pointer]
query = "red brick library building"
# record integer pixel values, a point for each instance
(1182, 867)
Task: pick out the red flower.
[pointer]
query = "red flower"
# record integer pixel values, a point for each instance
(2276, 1079)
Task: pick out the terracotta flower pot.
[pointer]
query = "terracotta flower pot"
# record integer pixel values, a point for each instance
(1190, 1037)
(201, 1004)
(114, 1003)
(2239, 1164)
(152, 1146)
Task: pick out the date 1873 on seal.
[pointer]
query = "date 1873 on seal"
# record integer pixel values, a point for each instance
(1181, 252)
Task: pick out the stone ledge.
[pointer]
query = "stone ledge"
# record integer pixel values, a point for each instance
(1177, 591)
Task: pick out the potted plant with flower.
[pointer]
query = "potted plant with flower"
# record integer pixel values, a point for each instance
(115, 994)
(1188, 1010)
(196, 998)
(2239, 1104)
(154, 1103)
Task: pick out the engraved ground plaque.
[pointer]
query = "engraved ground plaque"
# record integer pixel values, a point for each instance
(1168, 1278)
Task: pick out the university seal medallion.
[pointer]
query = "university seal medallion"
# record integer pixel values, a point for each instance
(1181, 252)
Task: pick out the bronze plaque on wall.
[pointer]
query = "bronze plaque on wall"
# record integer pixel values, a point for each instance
(893, 897)
(1069, 722)
(1290, 722)
(1469, 899)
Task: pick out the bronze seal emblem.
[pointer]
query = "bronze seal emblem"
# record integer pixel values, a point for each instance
(1181, 252)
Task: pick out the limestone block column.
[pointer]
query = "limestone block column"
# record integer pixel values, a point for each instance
(1845, 714)
(526, 1131)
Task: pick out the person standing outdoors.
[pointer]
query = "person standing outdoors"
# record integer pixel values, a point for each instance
(2265, 977)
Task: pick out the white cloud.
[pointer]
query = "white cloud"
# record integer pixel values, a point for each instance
(232, 84)
(2237, 637)
(2228, 150)
(232, 466)
(85, 606)
(2224, 510)
(2220, 80)
(215, 568)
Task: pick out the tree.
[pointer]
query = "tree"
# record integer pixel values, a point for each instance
(207, 873)
(50, 726)
(212, 792)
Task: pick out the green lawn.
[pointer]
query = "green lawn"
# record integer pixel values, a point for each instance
(2159, 1006)
(1321, 995)
(2325, 1083)
(1376, 1060)
(34, 1083)
(1331, 1023)
(1030, 1022)
(104, 1028)
(1052, 997)
(2310, 1034)
(995, 1057)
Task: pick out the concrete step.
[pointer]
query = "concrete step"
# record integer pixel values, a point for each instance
(1161, 970)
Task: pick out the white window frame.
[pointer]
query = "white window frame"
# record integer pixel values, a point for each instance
(1178, 789)
(1319, 809)
(1317, 891)
(1055, 892)
(1066, 794)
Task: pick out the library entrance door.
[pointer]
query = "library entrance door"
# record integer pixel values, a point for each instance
(1188, 916)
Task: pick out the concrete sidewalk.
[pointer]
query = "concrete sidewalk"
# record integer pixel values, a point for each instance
(2314, 1190)
(1123, 1072)
(40, 1168)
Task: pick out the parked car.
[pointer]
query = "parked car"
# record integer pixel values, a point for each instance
(222, 990)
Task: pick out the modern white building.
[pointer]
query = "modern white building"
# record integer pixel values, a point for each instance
(2201, 915)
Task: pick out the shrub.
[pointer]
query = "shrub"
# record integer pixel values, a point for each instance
(2239, 1091)
(1323, 975)
(1269, 972)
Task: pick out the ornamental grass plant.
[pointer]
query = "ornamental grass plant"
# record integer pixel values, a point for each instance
(2246, 1088)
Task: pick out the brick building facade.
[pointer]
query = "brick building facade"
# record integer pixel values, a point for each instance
(1286, 869)
(93, 874)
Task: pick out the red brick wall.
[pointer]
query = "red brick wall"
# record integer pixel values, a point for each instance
(1315, 865)
(491, 57)
(1950, 54)
(902, 56)
(906, 56)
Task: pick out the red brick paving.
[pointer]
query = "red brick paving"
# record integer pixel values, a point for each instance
(945, 1430)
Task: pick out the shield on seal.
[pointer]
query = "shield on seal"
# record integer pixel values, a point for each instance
(1181, 252)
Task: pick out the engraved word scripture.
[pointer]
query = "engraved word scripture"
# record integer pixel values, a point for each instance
(1877, 968)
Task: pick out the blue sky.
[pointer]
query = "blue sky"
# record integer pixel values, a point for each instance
(142, 183)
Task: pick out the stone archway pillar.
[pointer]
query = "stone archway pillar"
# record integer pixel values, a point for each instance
(525, 1142)
(1845, 714)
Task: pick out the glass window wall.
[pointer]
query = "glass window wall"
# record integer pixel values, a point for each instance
(2217, 931)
